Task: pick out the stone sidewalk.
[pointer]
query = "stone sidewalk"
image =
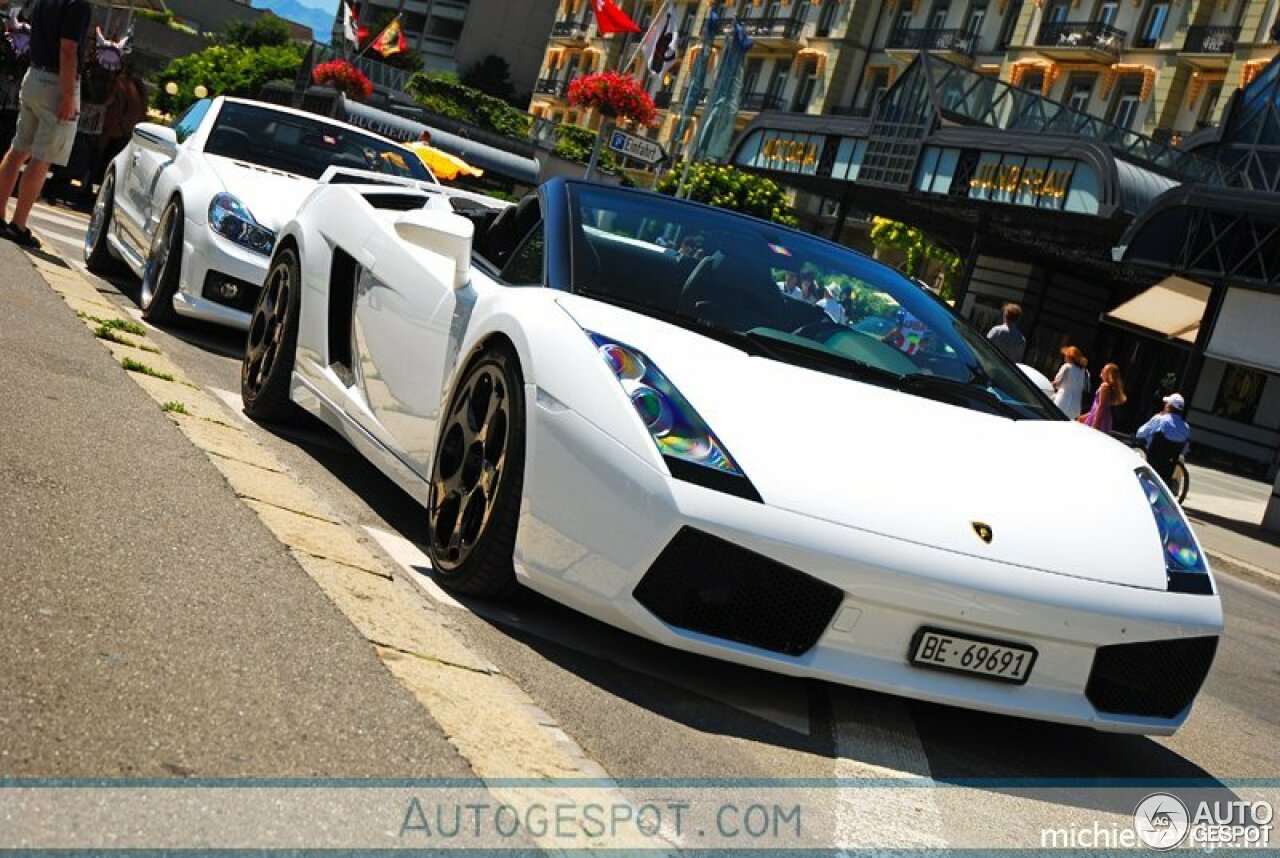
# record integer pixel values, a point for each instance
(1227, 513)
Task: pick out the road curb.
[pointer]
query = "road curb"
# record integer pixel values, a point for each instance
(1244, 570)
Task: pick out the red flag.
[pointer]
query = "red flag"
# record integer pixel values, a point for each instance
(611, 19)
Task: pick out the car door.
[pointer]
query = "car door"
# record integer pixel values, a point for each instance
(150, 153)
(407, 322)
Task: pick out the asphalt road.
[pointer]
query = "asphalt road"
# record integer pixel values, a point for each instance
(644, 711)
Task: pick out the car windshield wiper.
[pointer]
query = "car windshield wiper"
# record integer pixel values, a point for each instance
(939, 386)
(826, 360)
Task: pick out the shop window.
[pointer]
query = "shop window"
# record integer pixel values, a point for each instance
(1208, 104)
(1126, 102)
(1239, 394)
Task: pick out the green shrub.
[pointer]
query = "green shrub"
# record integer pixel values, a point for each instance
(731, 188)
(443, 93)
(226, 70)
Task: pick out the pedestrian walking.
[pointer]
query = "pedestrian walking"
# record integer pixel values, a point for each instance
(1071, 383)
(1007, 338)
(49, 105)
(1110, 395)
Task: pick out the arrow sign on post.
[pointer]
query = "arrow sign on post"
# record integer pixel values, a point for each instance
(639, 148)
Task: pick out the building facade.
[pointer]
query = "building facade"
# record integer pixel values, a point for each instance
(1161, 67)
(453, 35)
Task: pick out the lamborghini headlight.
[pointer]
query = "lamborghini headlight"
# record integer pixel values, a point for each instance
(1183, 559)
(230, 219)
(687, 444)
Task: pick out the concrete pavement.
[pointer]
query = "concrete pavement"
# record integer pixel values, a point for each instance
(1227, 511)
(152, 626)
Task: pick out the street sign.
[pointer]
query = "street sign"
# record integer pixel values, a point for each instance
(636, 147)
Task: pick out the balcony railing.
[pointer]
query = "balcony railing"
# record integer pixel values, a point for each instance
(1211, 40)
(762, 101)
(569, 30)
(778, 28)
(1086, 35)
(551, 86)
(929, 39)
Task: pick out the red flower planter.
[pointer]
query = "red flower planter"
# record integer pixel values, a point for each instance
(344, 77)
(615, 95)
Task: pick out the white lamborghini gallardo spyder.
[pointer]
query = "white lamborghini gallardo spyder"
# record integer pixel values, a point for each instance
(611, 397)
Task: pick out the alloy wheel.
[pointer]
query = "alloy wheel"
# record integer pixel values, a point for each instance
(469, 466)
(266, 330)
(158, 260)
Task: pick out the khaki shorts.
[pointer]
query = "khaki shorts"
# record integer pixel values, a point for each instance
(40, 132)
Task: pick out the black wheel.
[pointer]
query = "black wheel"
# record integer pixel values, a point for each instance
(97, 255)
(267, 366)
(1181, 482)
(164, 264)
(476, 479)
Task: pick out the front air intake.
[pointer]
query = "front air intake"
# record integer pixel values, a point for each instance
(709, 585)
(1155, 679)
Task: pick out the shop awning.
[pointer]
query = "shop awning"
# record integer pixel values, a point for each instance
(1171, 309)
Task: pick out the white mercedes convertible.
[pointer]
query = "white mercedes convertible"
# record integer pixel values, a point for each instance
(667, 441)
(193, 208)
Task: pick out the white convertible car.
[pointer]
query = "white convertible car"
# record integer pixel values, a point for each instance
(668, 442)
(193, 209)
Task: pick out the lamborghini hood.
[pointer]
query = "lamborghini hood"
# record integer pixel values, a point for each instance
(1053, 495)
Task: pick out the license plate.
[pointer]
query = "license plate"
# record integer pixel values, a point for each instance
(943, 650)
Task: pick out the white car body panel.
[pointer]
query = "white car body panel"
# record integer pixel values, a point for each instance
(148, 179)
(888, 521)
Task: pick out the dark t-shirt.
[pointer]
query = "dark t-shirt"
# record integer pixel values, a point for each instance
(51, 22)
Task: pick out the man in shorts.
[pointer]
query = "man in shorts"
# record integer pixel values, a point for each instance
(50, 107)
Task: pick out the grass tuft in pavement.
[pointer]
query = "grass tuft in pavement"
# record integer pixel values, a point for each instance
(115, 324)
(136, 366)
(175, 407)
(108, 332)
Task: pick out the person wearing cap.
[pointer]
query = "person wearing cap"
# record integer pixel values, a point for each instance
(1166, 436)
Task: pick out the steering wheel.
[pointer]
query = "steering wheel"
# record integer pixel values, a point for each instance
(701, 271)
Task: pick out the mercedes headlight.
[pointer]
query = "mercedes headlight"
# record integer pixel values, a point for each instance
(690, 449)
(230, 219)
(1183, 559)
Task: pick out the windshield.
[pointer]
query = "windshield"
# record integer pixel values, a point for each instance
(304, 146)
(787, 296)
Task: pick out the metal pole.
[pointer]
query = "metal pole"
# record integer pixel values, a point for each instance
(605, 127)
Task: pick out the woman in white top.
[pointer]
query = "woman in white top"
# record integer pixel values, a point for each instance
(1072, 382)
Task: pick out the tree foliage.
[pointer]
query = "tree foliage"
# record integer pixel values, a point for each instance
(263, 31)
(226, 70)
(911, 241)
(443, 93)
(492, 76)
(731, 188)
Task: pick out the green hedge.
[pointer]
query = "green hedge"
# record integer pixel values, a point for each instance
(442, 93)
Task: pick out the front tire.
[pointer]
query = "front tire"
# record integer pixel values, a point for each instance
(267, 367)
(477, 478)
(97, 252)
(164, 265)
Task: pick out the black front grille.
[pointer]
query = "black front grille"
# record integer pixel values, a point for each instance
(705, 584)
(1156, 679)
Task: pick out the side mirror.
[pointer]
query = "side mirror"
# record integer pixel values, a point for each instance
(443, 233)
(158, 138)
